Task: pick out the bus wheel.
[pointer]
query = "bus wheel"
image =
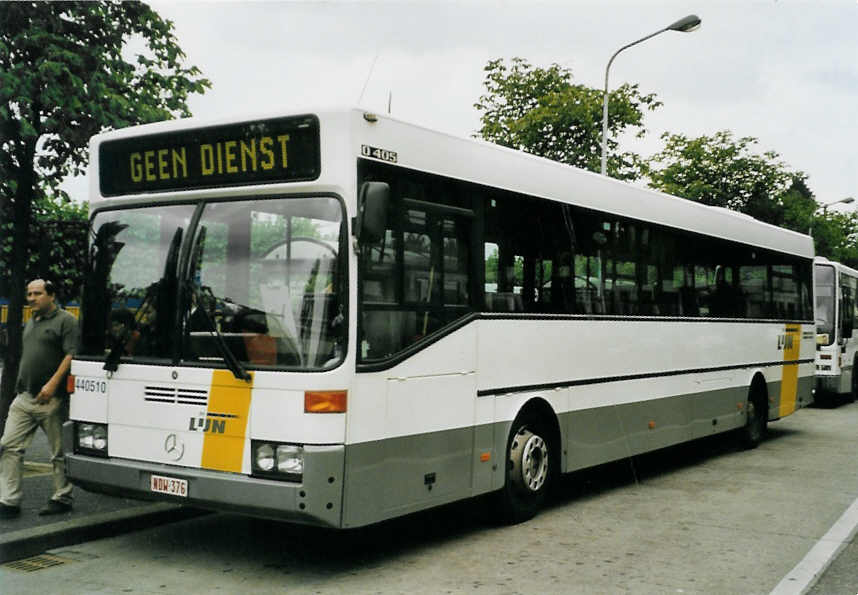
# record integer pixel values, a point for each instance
(755, 426)
(528, 472)
(853, 394)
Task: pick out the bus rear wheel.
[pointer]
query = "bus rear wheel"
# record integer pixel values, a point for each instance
(528, 471)
(755, 426)
(853, 393)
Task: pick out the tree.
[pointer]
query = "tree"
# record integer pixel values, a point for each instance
(835, 235)
(722, 171)
(64, 76)
(63, 258)
(799, 206)
(540, 111)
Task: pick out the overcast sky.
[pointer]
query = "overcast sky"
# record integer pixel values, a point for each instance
(783, 71)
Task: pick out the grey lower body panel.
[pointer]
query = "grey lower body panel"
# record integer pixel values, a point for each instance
(397, 476)
(317, 500)
(360, 484)
(833, 385)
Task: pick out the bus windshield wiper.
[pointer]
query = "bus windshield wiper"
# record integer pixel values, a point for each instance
(228, 356)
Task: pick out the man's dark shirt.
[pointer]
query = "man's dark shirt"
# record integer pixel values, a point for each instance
(46, 342)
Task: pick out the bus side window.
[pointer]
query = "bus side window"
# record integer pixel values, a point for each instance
(490, 252)
(847, 308)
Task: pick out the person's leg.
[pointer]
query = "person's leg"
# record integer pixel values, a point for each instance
(17, 435)
(52, 424)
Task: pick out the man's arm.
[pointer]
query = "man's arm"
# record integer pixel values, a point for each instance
(51, 386)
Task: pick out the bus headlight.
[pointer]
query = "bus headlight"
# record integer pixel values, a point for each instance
(290, 459)
(265, 457)
(277, 461)
(91, 438)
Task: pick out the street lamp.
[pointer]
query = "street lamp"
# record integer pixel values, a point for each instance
(824, 207)
(844, 201)
(684, 25)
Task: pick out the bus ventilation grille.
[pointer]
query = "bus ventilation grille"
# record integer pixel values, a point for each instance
(176, 395)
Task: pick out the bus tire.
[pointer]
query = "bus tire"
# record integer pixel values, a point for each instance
(529, 470)
(757, 416)
(853, 394)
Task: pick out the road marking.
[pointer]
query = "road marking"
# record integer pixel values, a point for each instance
(801, 578)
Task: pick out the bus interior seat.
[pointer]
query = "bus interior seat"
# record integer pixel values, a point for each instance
(507, 301)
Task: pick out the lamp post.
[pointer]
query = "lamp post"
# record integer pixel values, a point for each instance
(824, 207)
(684, 25)
(843, 201)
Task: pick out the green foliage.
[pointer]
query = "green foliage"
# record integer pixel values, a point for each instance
(722, 171)
(65, 76)
(61, 258)
(799, 206)
(540, 111)
(835, 235)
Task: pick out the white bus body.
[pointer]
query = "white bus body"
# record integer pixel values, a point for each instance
(836, 287)
(518, 319)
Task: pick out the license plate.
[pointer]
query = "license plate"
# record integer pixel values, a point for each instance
(169, 485)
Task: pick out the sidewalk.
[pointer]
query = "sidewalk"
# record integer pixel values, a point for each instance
(93, 515)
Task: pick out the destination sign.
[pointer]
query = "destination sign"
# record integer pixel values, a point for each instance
(260, 152)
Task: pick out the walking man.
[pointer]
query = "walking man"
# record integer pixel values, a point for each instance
(49, 342)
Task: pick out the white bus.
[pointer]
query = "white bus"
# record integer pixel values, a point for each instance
(836, 288)
(336, 318)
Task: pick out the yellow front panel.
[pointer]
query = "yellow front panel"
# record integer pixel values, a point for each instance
(229, 404)
(789, 381)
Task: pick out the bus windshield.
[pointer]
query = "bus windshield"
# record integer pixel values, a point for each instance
(260, 279)
(824, 309)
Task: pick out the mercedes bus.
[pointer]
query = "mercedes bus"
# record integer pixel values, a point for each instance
(335, 317)
(836, 288)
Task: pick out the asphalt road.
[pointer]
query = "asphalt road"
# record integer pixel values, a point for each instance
(92, 516)
(701, 518)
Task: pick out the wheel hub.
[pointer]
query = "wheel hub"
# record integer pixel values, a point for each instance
(529, 458)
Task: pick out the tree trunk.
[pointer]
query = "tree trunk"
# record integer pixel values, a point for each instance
(22, 210)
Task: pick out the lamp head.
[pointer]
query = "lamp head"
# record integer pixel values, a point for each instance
(686, 24)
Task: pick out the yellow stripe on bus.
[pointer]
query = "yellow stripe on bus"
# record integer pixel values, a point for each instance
(229, 405)
(27, 313)
(789, 381)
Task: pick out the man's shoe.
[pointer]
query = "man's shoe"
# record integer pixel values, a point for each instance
(9, 512)
(55, 507)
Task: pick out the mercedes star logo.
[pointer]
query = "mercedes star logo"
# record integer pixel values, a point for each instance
(174, 448)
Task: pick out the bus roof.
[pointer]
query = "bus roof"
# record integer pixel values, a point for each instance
(492, 165)
(837, 265)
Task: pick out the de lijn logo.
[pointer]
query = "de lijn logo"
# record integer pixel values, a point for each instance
(209, 423)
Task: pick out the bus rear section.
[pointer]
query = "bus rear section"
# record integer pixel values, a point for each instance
(836, 286)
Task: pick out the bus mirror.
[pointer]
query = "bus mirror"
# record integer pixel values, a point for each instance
(372, 211)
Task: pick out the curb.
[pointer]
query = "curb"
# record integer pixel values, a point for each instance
(36, 540)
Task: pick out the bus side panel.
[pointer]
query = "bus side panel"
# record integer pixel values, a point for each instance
(804, 385)
(602, 434)
(411, 432)
(396, 476)
(633, 394)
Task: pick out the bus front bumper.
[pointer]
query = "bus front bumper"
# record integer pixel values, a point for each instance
(317, 500)
(829, 384)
